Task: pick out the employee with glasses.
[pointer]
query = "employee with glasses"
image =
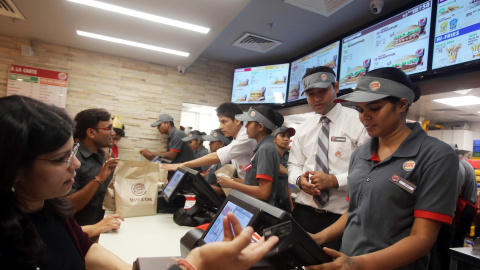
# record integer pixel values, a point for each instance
(94, 131)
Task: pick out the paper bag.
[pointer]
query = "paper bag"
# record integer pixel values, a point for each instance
(109, 200)
(136, 188)
(228, 169)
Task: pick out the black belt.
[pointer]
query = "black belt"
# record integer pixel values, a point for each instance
(316, 210)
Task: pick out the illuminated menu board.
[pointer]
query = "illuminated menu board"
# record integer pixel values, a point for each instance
(457, 32)
(326, 56)
(400, 41)
(264, 84)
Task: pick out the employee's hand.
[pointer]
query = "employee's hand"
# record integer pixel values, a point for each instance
(171, 167)
(147, 154)
(340, 261)
(110, 222)
(305, 185)
(107, 168)
(225, 182)
(323, 181)
(235, 252)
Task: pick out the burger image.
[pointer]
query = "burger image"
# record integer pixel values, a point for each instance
(406, 35)
(241, 98)
(353, 74)
(407, 63)
(293, 94)
(330, 64)
(255, 95)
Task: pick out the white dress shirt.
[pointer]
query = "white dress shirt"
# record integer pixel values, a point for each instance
(239, 151)
(346, 133)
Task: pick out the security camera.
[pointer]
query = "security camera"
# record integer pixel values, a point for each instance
(181, 69)
(376, 6)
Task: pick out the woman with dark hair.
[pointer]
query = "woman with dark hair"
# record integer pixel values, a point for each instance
(401, 184)
(37, 166)
(281, 138)
(261, 175)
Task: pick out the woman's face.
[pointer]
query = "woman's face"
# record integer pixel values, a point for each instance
(47, 177)
(381, 117)
(194, 144)
(253, 129)
(282, 140)
(215, 145)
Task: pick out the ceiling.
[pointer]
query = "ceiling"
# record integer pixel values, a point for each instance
(299, 30)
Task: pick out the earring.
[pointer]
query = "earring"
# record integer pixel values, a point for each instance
(13, 189)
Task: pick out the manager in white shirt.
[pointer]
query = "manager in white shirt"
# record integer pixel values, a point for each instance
(346, 133)
(239, 151)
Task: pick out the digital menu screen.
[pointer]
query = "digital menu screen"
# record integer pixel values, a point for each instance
(457, 32)
(326, 56)
(400, 41)
(264, 84)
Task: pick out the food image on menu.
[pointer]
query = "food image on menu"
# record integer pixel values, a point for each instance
(242, 98)
(293, 95)
(475, 50)
(277, 97)
(243, 83)
(474, 3)
(257, 94)
(406, 35)
(331, 64)
(280, 80)
(353, 74)
(448, 10)
(452, 52)
(407, 63)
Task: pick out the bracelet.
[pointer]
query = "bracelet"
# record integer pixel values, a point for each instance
(183, 263)
(96, 180)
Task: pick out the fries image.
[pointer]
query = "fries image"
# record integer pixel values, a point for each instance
(452, 52)
(475, 50)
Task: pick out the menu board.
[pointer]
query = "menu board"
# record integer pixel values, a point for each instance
(45, 85)
(457, 32)
(263, 84)
(400, 41)
(326, 56)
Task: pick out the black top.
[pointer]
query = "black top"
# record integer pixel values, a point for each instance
(63, 252)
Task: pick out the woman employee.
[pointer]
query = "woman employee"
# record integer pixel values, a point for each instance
(401, 184)
(261, 175)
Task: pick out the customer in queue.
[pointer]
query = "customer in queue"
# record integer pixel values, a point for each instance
(402, 184)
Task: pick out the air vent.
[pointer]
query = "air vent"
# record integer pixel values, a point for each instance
(468, 115)
(256, 43)
(8, 8)
(322, 7)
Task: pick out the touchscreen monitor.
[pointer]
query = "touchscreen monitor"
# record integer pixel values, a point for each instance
(173, 185)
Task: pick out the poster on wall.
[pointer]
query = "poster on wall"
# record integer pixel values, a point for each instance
(49, 86)
(457, 32)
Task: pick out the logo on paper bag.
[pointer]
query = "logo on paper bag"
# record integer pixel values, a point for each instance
(139, 189)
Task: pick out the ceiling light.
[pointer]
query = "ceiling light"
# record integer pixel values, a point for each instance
(459, 101)
(142, 15)
(463, 92)
(132, 43)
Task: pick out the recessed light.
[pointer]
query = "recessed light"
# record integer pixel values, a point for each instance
(142, 15)
(459, 101)
(132, 43)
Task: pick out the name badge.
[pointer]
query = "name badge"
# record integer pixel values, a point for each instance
(248, 167)
(339, 139)
(406, 185)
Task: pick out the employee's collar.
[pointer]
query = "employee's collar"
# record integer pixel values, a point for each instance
(333, 114)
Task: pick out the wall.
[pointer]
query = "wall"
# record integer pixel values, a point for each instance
(138, 91)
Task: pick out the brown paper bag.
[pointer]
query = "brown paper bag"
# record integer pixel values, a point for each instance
(109, 200)
(136, 188)
(230, 170)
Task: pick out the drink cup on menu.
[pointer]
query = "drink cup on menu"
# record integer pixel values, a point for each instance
(367, 63)
(422, 23)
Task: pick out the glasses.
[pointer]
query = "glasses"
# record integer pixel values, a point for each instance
(69, 160)
(104, 128)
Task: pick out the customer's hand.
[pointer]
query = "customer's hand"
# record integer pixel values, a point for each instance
(340, 261)
(171, 167)
(107, 168)
(110, 222)
(235, 252)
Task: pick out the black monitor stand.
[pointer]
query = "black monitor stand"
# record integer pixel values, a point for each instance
(193, 217)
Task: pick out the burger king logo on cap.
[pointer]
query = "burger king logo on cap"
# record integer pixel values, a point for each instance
(252, 113)
(215, 134)
(375, 85)
(189, 135)
(409, 165)
(324, 77)
(139, 189)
